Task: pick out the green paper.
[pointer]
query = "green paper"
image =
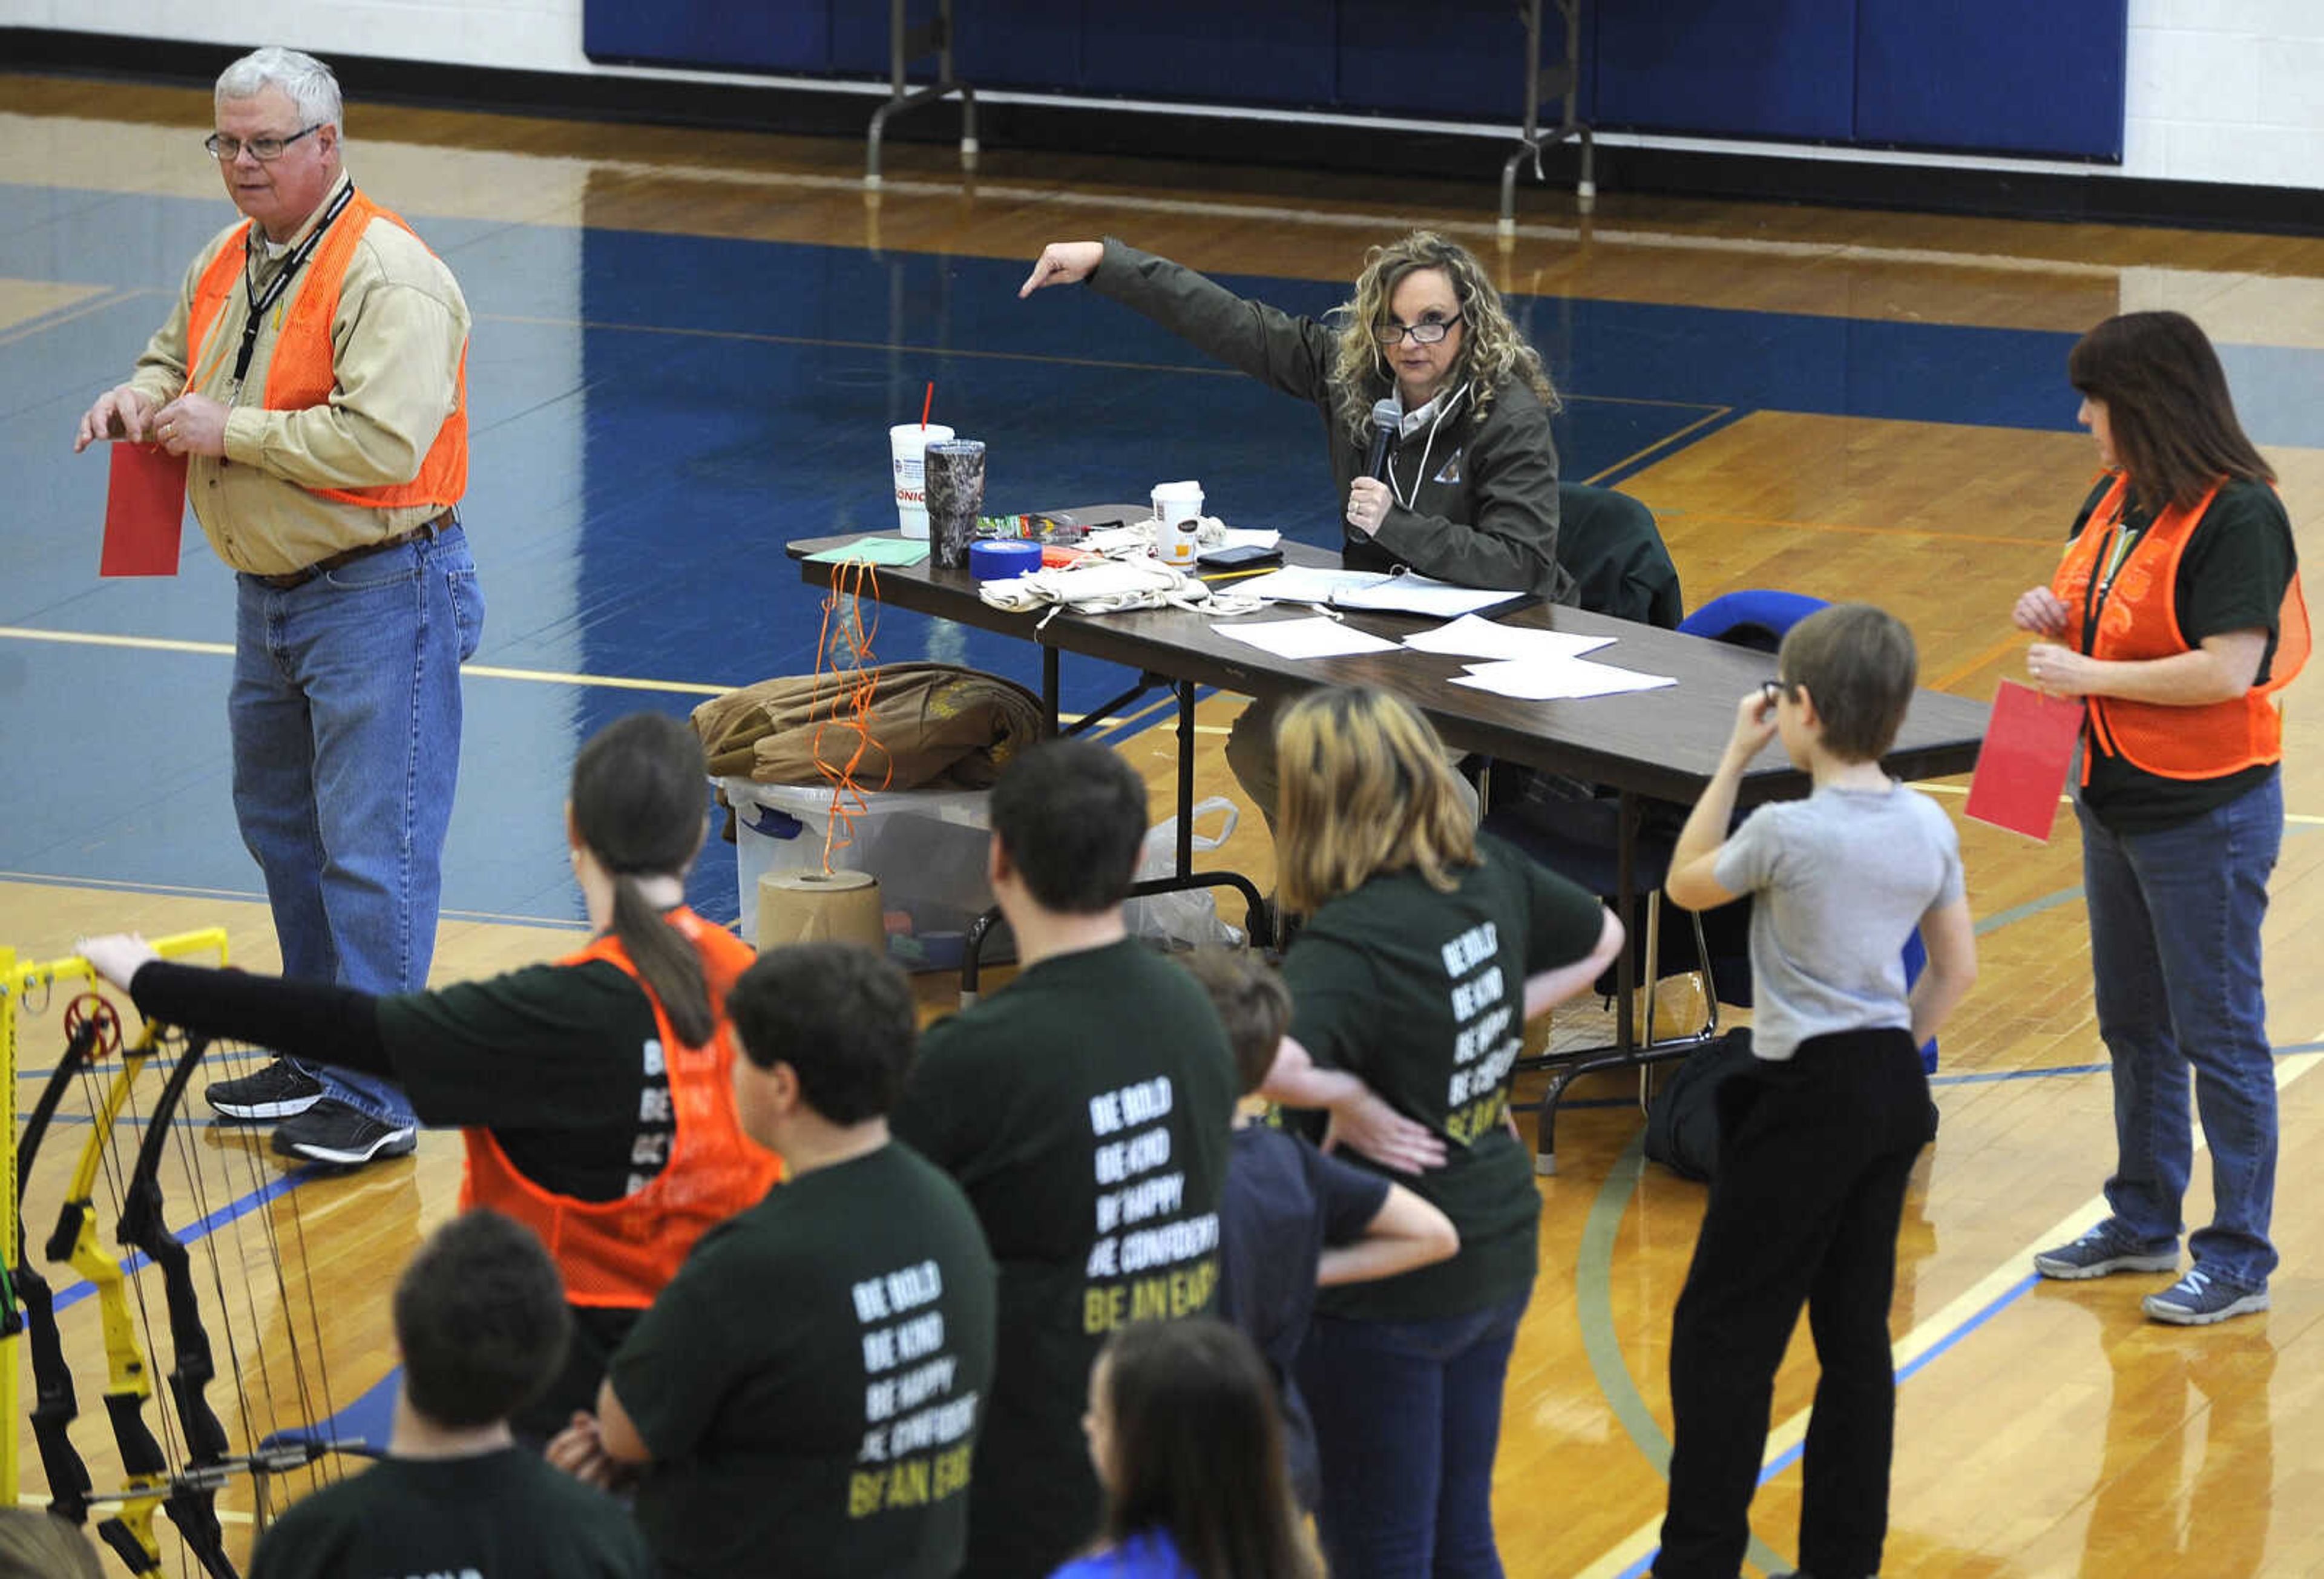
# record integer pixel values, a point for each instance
(879, 550)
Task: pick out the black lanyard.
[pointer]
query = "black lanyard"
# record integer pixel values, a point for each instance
(2105, 568)
(260, 306)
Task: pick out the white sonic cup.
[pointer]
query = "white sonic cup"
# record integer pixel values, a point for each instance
(908, 446)
(1177, 521)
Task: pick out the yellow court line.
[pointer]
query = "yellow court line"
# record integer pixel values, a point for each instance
(224, 1515)
(616, 681)
(2001, 648)
(1943, 1327)
(72, 310)
(1935, 788)
(482, 670)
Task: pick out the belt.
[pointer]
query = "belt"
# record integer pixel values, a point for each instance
(422, 534)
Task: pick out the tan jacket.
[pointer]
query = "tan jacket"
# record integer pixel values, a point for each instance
(932, 726)
(400, 329)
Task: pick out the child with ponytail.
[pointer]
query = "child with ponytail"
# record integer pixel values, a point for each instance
(595, 1093)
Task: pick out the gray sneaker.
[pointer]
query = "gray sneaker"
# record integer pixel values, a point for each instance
(2102, 1251)
(2199, 1300)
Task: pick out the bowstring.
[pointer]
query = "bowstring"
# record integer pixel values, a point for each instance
(109, 1167)
(317, 1474)
(198, 1188)
(264, 1212)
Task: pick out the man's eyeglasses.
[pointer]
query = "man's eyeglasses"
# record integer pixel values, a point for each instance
(226, 150)
(1428, 332)
(1775, 690)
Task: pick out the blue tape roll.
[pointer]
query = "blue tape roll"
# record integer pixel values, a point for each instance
(997, 559)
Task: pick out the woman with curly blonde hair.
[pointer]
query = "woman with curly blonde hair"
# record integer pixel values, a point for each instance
(1470, 494)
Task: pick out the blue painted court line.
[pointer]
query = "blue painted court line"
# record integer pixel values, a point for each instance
(1969, 1324)
(270, 1191)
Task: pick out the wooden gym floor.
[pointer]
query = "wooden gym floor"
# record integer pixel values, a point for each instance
(686, 346)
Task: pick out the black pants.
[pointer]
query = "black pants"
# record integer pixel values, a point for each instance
(1814, 1157)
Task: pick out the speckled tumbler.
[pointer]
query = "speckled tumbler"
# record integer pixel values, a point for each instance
(955, 480)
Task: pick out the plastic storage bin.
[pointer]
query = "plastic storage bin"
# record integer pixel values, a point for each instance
(927, 847)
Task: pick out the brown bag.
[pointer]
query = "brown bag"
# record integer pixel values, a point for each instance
(931, 726)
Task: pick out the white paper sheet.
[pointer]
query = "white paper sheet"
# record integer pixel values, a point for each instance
(1397, 593)
(1410, 594)
(1471, 636)
(1319, 637)
(1557, 679)
(1305, 584)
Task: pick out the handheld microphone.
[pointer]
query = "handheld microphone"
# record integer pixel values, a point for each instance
(1388, 424)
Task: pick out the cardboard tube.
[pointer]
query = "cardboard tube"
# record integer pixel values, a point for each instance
(815, 907)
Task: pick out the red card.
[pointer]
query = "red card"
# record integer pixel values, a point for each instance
(144, 511)
(2020, 770)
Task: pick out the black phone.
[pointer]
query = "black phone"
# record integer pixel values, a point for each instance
(1241, 557)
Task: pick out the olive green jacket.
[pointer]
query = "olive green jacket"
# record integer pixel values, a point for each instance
(1485, 514)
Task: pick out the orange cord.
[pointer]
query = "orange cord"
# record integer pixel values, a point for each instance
(857, 681)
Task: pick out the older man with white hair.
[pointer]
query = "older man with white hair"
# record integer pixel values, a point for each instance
(314, 374)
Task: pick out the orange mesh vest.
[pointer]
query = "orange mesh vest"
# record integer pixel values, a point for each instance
(300, 375)
(619, 1253)
(2137, 618)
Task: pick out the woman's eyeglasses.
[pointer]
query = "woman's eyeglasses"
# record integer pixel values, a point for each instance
(1426, 332)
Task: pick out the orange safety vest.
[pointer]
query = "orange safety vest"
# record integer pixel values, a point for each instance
(620, 1253)
(300, 374)
(2138, 619)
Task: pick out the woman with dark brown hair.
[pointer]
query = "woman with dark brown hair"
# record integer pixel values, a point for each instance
(1184, 1437)
(2177, 616)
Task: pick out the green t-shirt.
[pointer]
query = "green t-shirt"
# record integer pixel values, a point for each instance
(503, 1515)
(1086, 1109)
(1421, 993)
(2238, 561)
(809, 1383)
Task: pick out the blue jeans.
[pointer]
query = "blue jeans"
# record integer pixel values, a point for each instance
(346, 719)
(1407, 1418)
(2174, 949)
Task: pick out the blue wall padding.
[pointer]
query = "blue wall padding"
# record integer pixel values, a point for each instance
(1463, 60)
(1757, 69)
(1021, 43)
(740, 35)
(1994, 75)
(1276, 52)
(1997, 75)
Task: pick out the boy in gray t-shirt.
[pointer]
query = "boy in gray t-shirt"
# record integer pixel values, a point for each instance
(1817, 1139)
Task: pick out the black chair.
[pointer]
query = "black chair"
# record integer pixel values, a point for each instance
(1610, 544)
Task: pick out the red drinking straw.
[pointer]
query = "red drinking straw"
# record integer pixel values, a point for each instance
(929, 400)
